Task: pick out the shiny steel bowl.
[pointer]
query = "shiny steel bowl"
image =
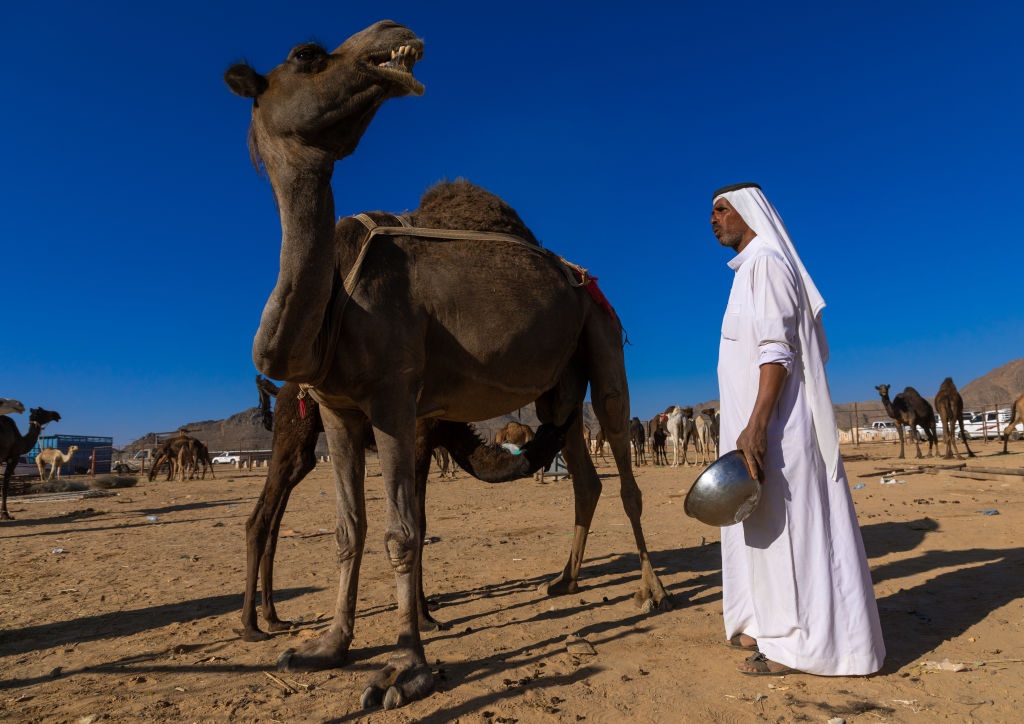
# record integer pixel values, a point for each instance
(724, 494)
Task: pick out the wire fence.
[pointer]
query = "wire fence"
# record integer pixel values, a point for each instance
(987, 423)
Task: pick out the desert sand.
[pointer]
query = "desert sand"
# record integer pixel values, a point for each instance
(136, 618)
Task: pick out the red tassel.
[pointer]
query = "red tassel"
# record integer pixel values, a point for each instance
(302, 408)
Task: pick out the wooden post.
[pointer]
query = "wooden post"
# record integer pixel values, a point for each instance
(856, 421)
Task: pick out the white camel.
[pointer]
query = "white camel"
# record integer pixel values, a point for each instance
(9, 406)
(674, 428)
(55, 458)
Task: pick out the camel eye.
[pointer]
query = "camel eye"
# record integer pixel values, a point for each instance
(306, 54)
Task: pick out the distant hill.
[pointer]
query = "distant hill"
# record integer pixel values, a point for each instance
(244, 430)
(1001, 386)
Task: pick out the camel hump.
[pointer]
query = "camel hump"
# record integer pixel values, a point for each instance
(460, 204)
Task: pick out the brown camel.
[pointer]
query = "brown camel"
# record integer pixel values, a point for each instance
(714, 422)
(1018, 416)
(267, 389)
(910, 409)
(13, 445)
(638, 437)
(421, 336)
(515, 433)
(599, 444)
(950, 407)
(458, 203)
(293, 456)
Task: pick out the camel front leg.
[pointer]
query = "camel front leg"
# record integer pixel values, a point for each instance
(406, 676)
(4, 515)
(899, 430)
(345, 438)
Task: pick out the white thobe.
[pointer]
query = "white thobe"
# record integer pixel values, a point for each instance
(794, 574)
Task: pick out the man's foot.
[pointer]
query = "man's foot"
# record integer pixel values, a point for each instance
(742, 641)
(761, 665)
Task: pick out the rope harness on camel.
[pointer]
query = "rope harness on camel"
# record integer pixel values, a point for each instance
(576, 276)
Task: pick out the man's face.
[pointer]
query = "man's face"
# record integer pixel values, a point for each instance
(728, 226)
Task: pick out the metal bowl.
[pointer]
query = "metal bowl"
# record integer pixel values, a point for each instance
(724, 494)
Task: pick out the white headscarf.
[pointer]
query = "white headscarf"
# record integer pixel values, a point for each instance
(759, 214)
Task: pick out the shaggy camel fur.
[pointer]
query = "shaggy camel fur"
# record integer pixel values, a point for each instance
(950, 407)
(910, 409)
(421, 337)
(450, 203)
(1018, 416)
(10, 407)
(293, 456)
(13, 445)
(55, 459)
(515, 433)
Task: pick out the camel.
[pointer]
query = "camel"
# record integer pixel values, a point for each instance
(55, 459)
(599, 444)
(714, 422)
(203, 461)
(515, 433)
(297, 425)
(658, 446)
(1017, 417)
(13, 445)
(703, 437)
(639, 439)
(421, 336)
(293, 456)
(10, 407)
(910, 409)
(950, 407)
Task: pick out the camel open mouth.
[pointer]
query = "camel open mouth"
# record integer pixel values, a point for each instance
(397, 63)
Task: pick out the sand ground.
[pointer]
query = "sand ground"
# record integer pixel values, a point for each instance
(136, 618)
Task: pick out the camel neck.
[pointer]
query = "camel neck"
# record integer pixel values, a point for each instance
(29, 441)
(293, 315)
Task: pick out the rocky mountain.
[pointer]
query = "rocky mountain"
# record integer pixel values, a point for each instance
(1000, 387)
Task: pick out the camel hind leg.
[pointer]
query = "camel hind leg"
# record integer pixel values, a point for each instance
(610, 397)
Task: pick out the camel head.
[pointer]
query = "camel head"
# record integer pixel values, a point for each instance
(710, 412)
(42, 417)
(687, 412)
(883, 390)
(316, 105)
(72, 450)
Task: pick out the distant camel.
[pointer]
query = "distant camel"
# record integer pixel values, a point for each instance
(515, 433)
(703, 437)
(203, 461)
(599, 444)
(446, 468)
(1018, 416)
(10, 407)
(950, 407)
(13, 445)
(658, 446)
(910, 409)
(714, 422)
(55, 459)
(638, 436)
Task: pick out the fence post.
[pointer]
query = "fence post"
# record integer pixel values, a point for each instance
(998, 431)
(856, 422)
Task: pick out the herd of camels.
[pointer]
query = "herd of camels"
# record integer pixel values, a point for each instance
(402, 342)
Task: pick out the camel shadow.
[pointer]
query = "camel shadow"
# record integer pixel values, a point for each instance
(915, 621)
(124, 623)
(895, 537)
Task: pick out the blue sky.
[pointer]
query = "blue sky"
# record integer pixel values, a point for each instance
(140, 245)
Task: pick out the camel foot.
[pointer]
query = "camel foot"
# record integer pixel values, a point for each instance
(559, 586)
(405, 678)
(276, 624)
(4, 515)
(650, 602)
(252, 634)
(317, 655)
(429, 623)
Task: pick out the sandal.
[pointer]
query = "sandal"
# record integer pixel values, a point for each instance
(762, 667)
(735, 643)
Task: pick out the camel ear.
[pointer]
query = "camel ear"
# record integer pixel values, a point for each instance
(244, 81)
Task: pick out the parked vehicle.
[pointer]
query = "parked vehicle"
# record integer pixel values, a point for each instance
(227, 457)
(987, 422)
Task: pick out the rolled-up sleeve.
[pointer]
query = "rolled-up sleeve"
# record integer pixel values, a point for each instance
(776, 303)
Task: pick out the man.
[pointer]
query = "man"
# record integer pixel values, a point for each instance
(795, 582)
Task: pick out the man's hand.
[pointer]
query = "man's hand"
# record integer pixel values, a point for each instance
(753, 441)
